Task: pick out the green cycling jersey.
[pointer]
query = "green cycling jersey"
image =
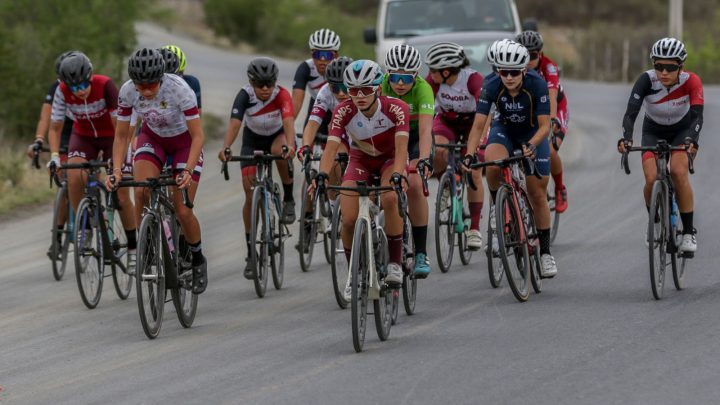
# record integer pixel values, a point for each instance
(420, 99)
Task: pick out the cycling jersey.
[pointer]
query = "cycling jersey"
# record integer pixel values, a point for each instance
(374, 136)
(166, 115)
(420, 99)
(93, 116)
(456, 104)
(672, 110)
(67, 124)
(323, 107)
(263, 117)
(194, 84)
(307, 76)
(549, 71)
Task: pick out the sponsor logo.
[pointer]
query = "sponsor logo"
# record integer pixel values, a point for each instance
(450, 97)
(551, 69)
(516, 118)
(399, 114)
(235, 111)
(360, 124)
(163, 104)
(339, 116)
(636, 96)
(514, 106)
(359, 170)
(543, 99)
(503, 99)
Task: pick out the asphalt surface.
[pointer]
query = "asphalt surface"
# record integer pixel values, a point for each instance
(594, 335)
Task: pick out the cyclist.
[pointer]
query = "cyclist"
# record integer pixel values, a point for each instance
(324, 46)
(673, 99)
(171, 127)
(549, 71)
(523, 121)
(191, 80)
(267, 111)
(401, 81)
(457, 88)
(43, 127)
(92, 101)
(378, 128)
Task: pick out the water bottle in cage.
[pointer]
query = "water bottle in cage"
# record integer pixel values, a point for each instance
(168, 235)
(674, 213)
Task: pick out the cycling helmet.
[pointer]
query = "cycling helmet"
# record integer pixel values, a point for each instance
(325, 40)
(172, 63)
(403, 57)
(262, 70)
(180, 54)
(668, 48)
(363, 73)
(59, 60)
(493, 48)
(146, 66)
(511, 55)
(532, 40)
(75, 69)
(445, 55)
(336, 68)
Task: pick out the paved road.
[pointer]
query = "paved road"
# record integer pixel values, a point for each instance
(594, 335)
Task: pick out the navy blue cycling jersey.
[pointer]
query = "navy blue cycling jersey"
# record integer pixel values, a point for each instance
(194, 84)
(518, 114)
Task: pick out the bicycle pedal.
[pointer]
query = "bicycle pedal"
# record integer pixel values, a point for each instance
(687, 255)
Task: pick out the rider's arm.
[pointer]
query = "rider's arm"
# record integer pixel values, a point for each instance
(309, 133)
(553, 102)
(232, 132)
(336, 131)
(542, 111)
(317, 114)
(401, 117)
(123, 136)
(543, 129)
(44, 122)
(299, 83)
(236, 116)
(57, 117)
(111, 100)
(696, 106)
(197, 137)
(639, 91)
(426, 110)
(328, 157)
(484, 103)
(288, 117)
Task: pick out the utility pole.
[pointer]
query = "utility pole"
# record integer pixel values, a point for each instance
(675, 26)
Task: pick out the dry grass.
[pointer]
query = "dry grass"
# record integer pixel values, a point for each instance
(21, 185)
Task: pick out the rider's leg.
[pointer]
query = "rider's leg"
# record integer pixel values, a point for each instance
(417, 210)
(683, 188)
(288, 214)
(393, 221)
(349, 206)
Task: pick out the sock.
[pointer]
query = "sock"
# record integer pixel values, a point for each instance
(557, 178)
(687, 221)
(288, 192)
(196, 250)
(493, 194)
(247, 241)
(544, 236)
(419, 234)
(395, 247)
(475, 211)
(60, 228)
(348, 251)
(131, 239)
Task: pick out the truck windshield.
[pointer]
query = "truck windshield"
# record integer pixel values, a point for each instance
(407, 18)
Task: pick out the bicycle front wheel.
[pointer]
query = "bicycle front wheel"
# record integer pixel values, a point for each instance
(465, 252)
(279, 233)
(308, 228)
(555, 224)
(512, 244)
(150, 276)
(184, 300)
(338, 263)
(658, 239)
(409, 285)
(359, 285)
(60, 237)
(678, 260)
(122, 280)
(260, 237)
(89, 259)
(383, 306)
(492, 252)
(444, 232)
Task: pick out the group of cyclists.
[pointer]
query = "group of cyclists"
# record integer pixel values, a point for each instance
(387, 121)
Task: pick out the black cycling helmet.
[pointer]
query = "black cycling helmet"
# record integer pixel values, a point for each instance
(262, 70)
(532, 40)
(75, 69)
(59, 60)
(146, 66)
(336, 68)
(172, 62)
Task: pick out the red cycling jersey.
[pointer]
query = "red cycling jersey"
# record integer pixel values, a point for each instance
(93, 116)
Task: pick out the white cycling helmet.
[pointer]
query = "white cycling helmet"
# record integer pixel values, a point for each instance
(668, 48)
(493, 48)
(445, 55)
(403, 57)
(511, 55)
(363, 73)
(324, 40)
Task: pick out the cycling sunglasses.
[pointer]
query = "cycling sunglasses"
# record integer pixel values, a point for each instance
(361, 91)
(406, 78)
(79, 87)
(259, 84)
(326, 55)
(668, 67)
(534, 55)
(509, 72)
(338, 87)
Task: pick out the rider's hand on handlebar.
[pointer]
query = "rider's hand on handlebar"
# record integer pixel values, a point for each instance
(396, 179)
(35, 146)
(691, 146)
(469, 160)
(303, 151)
(623, 145)
(425, 166)
(112, 180)
(224, 153)
(54, 162)
(318, 181)
(289, 152)
(184, 179)
(529, 150)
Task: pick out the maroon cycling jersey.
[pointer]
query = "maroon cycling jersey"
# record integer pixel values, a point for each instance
(93, 116)
(457, 103)
(263, 117)
(550, 72)
(374, 136)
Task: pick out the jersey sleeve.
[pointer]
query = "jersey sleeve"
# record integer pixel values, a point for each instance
(486, 99)
(194, 84)
(551, 74)
(59, 107)
(111, 97)
(340, 118)
(51, 93)
(640, 90)
(425, 99)
(475, 84)
(320, 107)
(187, 101)
(400, 114)
(125, 102)
(695, 89)
(284, 102)
(302, 75)
(240, 105)
(541, 97)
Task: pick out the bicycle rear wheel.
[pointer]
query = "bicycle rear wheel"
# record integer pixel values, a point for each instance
(359, 285)
(534, 246)
(118, 240)
(444, 232)
(259, 235)
(677, 259)
(383, 306)
(150, 276)
(326, 233)
(89, 259)
(338, 263)
(512, 245)
(184, 300)
(555, 224)
(492, 252)
(279, 233)
(308, 228)
(60, 238)
(658, 239)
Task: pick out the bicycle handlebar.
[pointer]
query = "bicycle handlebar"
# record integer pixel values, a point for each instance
(258, 156)
(154, 183)
(517, 157)
(660, 148)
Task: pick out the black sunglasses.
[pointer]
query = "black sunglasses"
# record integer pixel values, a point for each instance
(509, 72)
(262, 83)
(668, 67)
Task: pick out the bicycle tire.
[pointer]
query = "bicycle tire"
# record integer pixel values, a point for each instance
(510, 243)
(359, 286)
(150, 279)
(496, 270)
(338, 264)
(59, 249)
(443, 224)
(555, 224)
(657, 241)
(383, 306)
(184, 300)
(326, 235)
(121, 279)
(409, 285)
(678, 269)
(279, 233)
(465, 252)
(259, 246)
(306, 240)
(534, 247)
(89, 259)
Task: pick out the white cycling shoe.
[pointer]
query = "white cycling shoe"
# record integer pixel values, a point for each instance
(474, 239)
(689, 243)
(549, 267)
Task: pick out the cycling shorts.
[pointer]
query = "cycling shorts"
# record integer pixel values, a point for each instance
(499, 135)
(252, 142)
(158, 150)
(89, 148)
(362, 167)
(453, 132)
